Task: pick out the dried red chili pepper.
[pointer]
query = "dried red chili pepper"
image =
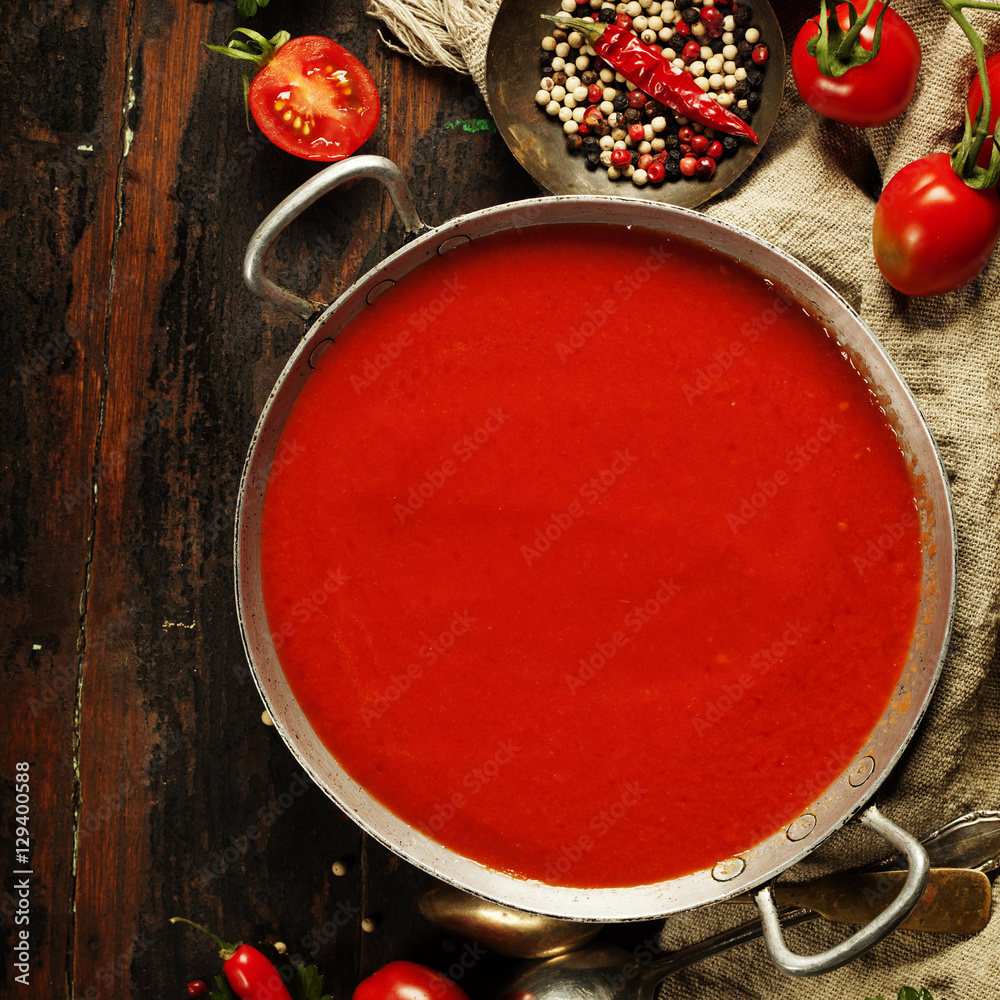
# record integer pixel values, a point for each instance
(248, 971)
(653, 75)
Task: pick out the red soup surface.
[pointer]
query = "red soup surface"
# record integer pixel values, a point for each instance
(571, 554)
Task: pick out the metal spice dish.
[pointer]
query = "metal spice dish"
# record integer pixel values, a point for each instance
(512, 75)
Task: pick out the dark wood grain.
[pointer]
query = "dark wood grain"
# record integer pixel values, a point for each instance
(136, 365)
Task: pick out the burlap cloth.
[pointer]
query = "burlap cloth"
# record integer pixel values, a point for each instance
(812, 192)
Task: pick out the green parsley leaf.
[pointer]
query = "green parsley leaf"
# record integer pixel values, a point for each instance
(247, 8)
(224, 991)
(307, 984)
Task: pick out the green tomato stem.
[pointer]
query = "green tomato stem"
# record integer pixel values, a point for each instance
(965, 154)
(837, 51)
(854, 32)
(226, 951)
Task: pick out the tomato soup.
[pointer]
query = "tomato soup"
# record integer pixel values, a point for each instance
(589, 554)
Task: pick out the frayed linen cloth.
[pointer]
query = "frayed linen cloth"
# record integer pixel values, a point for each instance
(812, 192)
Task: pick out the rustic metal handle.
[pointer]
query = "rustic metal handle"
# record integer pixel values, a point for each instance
(297, 202)
(869, 935)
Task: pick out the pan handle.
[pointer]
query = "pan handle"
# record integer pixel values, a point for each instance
(297, 202)
(869, 935)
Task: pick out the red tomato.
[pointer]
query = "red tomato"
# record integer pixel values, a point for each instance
(867, 95)
(932, 232)
(976, 99)
(408, 981)
(314, 99)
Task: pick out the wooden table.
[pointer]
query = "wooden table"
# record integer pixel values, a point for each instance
(137, 364)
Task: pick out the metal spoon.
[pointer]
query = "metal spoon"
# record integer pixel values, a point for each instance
(503, 931)
(969, 842)
(602, 972)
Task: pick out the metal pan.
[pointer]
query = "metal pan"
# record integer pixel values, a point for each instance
(850, 791)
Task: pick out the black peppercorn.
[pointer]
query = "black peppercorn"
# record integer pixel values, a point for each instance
(574, 143)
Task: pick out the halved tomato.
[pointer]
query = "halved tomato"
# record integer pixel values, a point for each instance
(314, 99)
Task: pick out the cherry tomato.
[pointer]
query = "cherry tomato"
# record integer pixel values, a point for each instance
(933, 233)
(408, 981)
(976, 99)
(867, 95)
(314, 99)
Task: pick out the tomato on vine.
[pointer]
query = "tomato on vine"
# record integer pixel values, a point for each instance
(858, 69)
(937, 221)
(932, 232)
(976, 100)
(309, 96)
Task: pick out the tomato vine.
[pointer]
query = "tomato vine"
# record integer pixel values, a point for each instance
(966, 153)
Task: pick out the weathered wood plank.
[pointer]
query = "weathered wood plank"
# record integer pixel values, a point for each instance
(138, 363)
(62, 99)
